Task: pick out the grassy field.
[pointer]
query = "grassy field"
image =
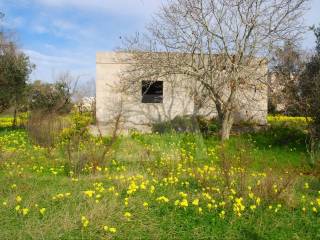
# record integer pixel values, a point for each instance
(170, 186)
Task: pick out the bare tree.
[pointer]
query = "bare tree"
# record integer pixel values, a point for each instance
(221, 45)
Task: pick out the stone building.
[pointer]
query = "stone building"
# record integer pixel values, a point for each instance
(156, 101)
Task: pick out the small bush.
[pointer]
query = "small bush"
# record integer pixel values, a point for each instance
(80, 149)
(45, 129)
(283, 131)
(187, 124)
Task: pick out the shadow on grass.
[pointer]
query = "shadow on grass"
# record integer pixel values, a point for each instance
(280, 136)
(250, 234)
(10, 129)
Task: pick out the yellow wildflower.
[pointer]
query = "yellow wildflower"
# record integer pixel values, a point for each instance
(42, 211)
(253, 207)
(145, 204)
(110, 229)
(18, 199)
(195, 202)
(25, 211)
(89, 193)
(127, 215)
(258, 200)
(222, 214)
(183, 195)
(162, 199)
(84, 221)
(251, 195)
(184, 203)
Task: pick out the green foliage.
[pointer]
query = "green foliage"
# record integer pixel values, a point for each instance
(15, 69)
(187, 124)
(78, 147)
(78, 128)
(310, 92)
(50, 98)
(226, 194)
(281, 136)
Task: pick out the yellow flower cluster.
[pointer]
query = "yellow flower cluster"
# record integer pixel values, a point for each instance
(61, 196)
(109, 229)
(84, 221)
(238, 206)
(162, 199)
(176, 181)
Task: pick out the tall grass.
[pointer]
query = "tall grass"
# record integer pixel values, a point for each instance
(45, 129)
(152, 177)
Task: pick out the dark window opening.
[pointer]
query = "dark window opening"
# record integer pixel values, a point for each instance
(152, 91)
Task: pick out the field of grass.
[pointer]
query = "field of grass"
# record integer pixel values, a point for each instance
(152, 186)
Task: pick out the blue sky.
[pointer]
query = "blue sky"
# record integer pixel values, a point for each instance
(64, 35)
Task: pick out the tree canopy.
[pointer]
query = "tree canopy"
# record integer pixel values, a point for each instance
(15, 68)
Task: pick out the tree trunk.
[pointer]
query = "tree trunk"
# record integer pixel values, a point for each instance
(14, 122)
(227, 123)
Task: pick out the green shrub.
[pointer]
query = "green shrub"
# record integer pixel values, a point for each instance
(45, 129)
(78, 130)
(281, 136)
(80, 149)
(187, 124)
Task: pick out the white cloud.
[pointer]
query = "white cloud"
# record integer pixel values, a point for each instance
(39, 29)
(13, 23)
(131, 7)
(48, 59)
(48, 66)
(64, 29)
(64, 24)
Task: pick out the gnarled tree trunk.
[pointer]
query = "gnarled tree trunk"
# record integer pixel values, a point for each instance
(227, 123)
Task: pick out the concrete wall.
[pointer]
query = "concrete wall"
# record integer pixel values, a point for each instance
(110, 102)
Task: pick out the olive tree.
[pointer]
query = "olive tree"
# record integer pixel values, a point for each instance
(15, 68)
